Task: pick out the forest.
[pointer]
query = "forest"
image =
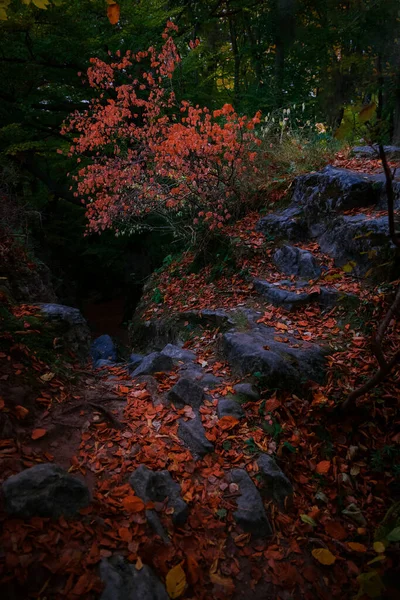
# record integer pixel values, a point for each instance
(199, 299)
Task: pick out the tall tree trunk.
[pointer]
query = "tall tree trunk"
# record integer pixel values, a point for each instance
(285, 11)
(396, 113)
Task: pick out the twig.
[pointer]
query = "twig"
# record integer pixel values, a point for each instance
(117, 424)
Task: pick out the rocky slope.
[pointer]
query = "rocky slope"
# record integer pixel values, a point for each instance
(210, 463)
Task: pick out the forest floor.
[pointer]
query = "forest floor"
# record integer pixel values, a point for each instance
(102, 425)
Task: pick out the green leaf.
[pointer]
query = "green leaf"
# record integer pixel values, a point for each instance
(308, 520)
(222, 512)
(394, 535)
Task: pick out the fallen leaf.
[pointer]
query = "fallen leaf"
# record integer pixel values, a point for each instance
(379, 547)
(175, 582)
(133, 504)
(47, 376)
(125, 534)
(323, 467)
(228, 422)
(323, 556)
(335, 530)
(38, 433)
(193, 569)
(357, 547)
(225, 582)
(21, 411)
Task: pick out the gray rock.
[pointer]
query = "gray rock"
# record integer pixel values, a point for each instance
(296, 261)
(101, 363)
(247, 392)
(290, 300)
(134, 361)
(157, 486)
(209, 381)
(153, 363)
(228, 407)
(70, 327)
(282, 365)
(359, 239)
(278, 485)
(192, 434)
(186, 391)
(392, 152)
(178, 354)
(194, 372)
(281, 297)
(103, 348)
(250, 513)
(286, 224)
(45, 490)
(124, 582)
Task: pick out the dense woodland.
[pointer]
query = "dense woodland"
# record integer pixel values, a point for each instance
(199, 299)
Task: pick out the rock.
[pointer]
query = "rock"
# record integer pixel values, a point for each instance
(124, 582)
(278, 485)
(153, 363)
(178, 354)
(282, 365)
(228, 407)
(209, 381)
(247, 392)
(296, 261)
(281, 297)
(70, 327)
(359, 239)
(290, 300)
(134, 361)
(194, 372)
(192, 434)
(101, 363)
(45, 490)
(286, 224)
(186, 391)
(157, 486)
(103, 348)
(392, 152)
(250, 513)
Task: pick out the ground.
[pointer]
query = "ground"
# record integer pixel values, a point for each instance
(102, 425)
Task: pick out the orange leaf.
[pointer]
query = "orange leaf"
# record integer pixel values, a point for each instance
(38, 433)
(228, 422)
(133, 504)
(225, 582)
(193, 569)
(125, 534)
(281, 326)
(113, 11)
(21, 411)
(357, 547)
(335, 530)
(323, 467)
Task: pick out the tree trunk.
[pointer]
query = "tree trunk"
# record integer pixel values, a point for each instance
(236, 58)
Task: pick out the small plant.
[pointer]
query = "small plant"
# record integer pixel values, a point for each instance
(157, 296)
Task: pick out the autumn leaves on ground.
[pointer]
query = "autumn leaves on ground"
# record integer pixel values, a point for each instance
(101, 425)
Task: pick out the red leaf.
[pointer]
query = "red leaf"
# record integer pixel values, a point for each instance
(38, 433)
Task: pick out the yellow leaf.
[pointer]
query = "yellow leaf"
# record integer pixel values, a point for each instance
(226, 582)
(43, 4)
(349, 267)
(175, 582)
(367, 112)
(379, 547)
(113, 11)
(324, 556)
(3, 14)
(47, 377)
(357, 547)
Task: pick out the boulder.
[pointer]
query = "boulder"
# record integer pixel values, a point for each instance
(134, 361)
(359, 239)
(102, 363)
(153, 363)
(281, 297)
(70, 327)
(392, 152)
(158, 486)
(45, 490)
(186, 391)
(285, 365)
(103, 348)
(178, 354)
(296, 261)
(124, 582)
(286, 225)
(229, 407)
(246, 392)
(193, 435)
(278, 485)
(194, 372)
(250, 513)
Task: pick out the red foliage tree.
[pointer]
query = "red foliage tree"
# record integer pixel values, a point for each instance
(144, 153)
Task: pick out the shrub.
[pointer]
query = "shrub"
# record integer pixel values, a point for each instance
(142, 152)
